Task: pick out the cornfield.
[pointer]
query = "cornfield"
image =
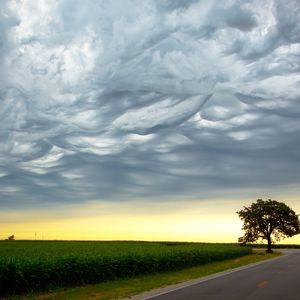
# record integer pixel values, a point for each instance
(32, 266)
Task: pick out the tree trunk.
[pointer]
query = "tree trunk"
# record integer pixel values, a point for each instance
(269, 250)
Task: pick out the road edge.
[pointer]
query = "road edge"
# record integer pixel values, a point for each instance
(178, 286)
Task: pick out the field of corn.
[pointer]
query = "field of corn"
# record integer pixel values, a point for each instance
(31, 266)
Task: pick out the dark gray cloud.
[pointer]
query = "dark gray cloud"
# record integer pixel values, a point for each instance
(242, 19)
(120, 100)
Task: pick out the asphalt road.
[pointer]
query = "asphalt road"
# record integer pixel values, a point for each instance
(277, 279)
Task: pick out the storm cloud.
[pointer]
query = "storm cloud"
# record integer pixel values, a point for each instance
(118, 100)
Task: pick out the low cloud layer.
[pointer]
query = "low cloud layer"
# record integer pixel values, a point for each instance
(116, 100)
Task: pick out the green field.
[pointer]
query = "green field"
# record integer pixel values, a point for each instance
(31, 266)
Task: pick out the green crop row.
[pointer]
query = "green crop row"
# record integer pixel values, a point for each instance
(53, 264)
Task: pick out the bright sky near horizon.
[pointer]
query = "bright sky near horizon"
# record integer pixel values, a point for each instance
(152, 120)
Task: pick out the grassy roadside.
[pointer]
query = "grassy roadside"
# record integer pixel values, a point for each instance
(132, 286)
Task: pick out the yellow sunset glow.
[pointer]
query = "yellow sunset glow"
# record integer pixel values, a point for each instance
(206, 221)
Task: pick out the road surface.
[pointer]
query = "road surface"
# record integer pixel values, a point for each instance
(277, 279)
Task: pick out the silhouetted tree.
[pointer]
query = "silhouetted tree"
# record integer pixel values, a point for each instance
(11, 238)
(267, 219)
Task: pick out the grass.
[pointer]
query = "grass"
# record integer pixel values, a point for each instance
(132, 286)
(33, 266)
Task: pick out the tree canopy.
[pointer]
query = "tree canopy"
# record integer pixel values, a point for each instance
(269, 220)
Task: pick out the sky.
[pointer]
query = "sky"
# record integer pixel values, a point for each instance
(146, 119)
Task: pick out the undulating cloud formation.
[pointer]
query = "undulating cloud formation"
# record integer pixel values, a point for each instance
(117, 100)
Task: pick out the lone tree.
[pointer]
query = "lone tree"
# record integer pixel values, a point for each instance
(267, 219)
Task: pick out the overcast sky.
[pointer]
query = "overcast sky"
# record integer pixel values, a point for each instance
(152, 100)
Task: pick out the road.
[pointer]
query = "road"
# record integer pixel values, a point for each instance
(277, 279)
